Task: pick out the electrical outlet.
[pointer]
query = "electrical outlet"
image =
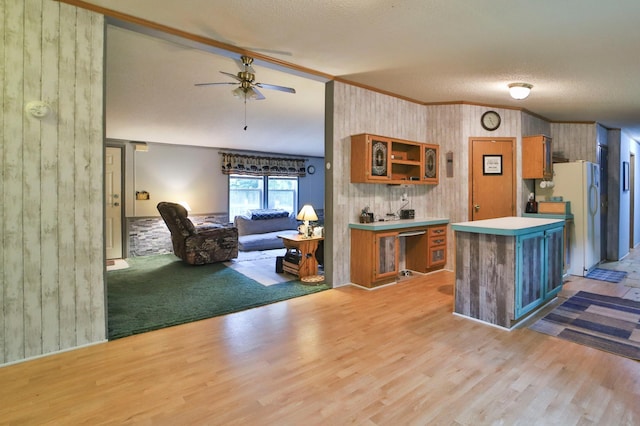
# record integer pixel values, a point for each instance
(404, 198)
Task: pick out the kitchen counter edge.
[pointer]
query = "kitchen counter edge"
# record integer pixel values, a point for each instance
(399, 224)
(511, 226)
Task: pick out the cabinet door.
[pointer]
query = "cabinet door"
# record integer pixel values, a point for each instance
(378, 161)
(431, 164)
(554, 245)
(386, 255)
(437, 256)
(530, 272)
(537, 157)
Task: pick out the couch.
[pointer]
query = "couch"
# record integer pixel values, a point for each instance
(215, 243)
(259, 229)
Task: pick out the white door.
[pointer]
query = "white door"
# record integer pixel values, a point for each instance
(113, 202)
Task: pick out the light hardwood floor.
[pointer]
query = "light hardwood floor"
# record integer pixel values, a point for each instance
(393, 356)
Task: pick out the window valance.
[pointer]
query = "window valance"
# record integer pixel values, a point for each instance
(255, 165)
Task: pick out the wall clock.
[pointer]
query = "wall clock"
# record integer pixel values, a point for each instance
(490, 120)
(311, 170)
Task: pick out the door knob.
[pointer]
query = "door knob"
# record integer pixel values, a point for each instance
(476, 206)
(116, 204)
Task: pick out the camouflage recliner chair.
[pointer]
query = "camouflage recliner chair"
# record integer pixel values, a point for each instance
(213, 244)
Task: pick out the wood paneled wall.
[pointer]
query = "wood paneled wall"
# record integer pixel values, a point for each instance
(575, 141)
(51, 185)
(355, 110)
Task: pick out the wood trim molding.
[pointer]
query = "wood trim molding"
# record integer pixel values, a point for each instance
(191, 37)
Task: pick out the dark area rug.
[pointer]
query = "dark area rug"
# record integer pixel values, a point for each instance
(162, 291)
(607, 323)
(606, 275)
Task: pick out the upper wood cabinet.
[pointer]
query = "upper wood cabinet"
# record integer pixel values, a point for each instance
(537, 157)
(380, 159)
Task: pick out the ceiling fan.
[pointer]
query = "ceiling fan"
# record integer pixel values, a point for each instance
(248, 87)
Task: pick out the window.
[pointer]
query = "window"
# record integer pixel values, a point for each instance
(259, 192)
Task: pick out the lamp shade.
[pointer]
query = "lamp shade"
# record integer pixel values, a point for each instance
(519, 90)
(307, 213)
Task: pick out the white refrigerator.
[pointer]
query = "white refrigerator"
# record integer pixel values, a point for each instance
(579, 183)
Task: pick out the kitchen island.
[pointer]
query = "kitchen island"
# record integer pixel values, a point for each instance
(507, 267)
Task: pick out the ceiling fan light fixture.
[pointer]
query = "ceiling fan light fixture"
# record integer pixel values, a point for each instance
(252, 94)
(520, 90)
(238, 93)
(246, 94)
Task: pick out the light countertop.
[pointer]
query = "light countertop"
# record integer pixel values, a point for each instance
(510, 225)
(399, 224)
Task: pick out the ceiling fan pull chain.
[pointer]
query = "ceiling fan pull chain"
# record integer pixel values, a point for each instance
(245, 111)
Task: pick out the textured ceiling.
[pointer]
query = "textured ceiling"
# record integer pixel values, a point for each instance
(580, 55)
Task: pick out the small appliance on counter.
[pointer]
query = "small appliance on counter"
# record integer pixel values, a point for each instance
(532, 205)
(366, 216)
(407, 214)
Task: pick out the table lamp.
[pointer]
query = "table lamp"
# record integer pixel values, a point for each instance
(306, 214)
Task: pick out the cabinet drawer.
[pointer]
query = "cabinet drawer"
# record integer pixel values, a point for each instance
(436, 241)
(438, 231)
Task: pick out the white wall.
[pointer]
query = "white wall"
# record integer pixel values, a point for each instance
(51, 184)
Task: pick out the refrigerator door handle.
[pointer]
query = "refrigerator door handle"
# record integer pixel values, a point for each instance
(593, 199)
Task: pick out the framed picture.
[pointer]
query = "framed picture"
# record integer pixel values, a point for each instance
(492, 164)
(625, 176)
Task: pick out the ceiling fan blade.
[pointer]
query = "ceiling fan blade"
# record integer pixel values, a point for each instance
(212, 84)
(257, 95)
(274, 87)
(235, 77)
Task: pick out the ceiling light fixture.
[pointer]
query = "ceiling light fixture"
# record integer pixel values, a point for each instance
(519, 90)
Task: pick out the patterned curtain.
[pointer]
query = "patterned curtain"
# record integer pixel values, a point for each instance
(254, 165)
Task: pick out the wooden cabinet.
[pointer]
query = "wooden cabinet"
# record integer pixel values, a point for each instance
(437, 246)
(537, 157)
(379, 159)
(374, 257)
(375, 254)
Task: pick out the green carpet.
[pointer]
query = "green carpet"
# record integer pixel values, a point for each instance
(160, 291)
